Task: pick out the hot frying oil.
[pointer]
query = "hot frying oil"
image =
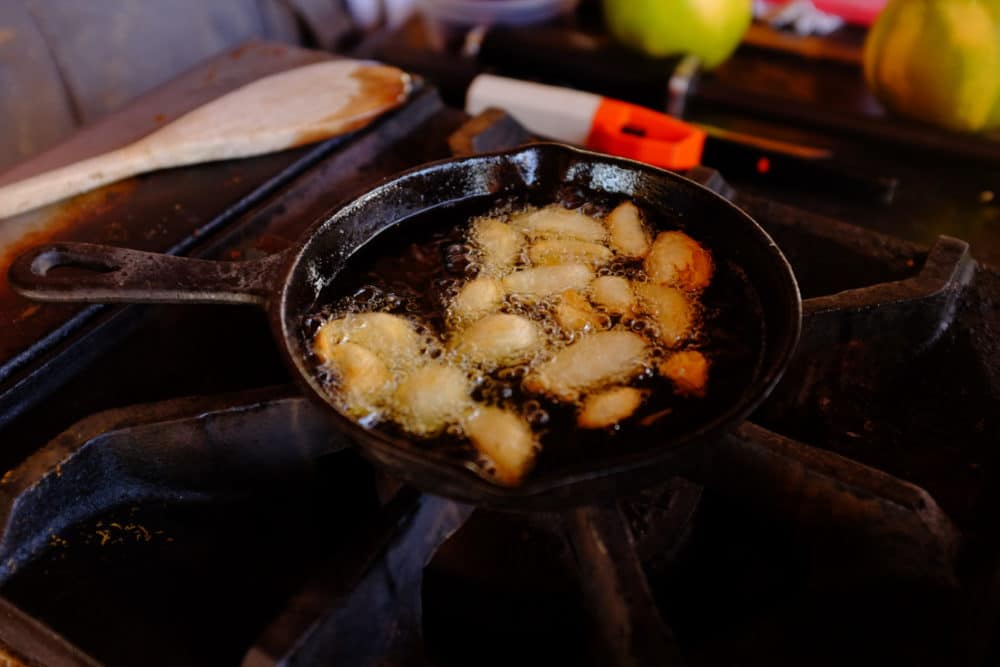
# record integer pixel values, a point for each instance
(415, 269)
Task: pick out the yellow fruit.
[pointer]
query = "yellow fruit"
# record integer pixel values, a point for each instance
(709, 29)
(938, 61)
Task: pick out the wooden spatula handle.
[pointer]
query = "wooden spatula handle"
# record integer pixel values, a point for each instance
(73, 179)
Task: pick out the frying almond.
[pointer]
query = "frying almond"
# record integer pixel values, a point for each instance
(677, 259)
(499, 245)
(363, 381)
(476, 298)
(557, 222)
(498, 339)
(574, 313)
(613, 294)
(390, 337)
(593, 361)
(505, 438)
(431, 398)
(688, 370)
(670, 309)
(561, 251)
(609, 407)
(628, 237)
(542, 281)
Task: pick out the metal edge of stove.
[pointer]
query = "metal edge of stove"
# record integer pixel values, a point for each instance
(617, 588)
(26, 641)
(156, 452)
(920, 308)
(897, 517)
(322, 627)
(923, 305)
(874, 244)
(601, 538)
(902, 528)
(333, 580)
(60, 355)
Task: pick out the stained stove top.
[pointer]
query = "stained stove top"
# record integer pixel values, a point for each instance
(177, 502)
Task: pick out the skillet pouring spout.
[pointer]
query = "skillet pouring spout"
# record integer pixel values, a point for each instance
(90, 273)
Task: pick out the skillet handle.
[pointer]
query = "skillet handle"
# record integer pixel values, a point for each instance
(106, 274)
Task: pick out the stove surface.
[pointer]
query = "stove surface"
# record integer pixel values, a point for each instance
(177, 502)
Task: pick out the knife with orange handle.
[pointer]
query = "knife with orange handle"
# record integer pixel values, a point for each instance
(633, 131)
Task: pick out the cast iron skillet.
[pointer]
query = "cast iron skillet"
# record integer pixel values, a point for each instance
(288, 285)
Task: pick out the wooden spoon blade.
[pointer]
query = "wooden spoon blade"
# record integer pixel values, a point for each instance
(291, 108)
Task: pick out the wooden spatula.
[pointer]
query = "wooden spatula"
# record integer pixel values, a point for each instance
(280, 111)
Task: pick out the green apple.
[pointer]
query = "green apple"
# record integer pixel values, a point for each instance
(709, 29)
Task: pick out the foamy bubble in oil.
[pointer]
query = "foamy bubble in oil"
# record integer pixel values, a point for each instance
(535, 413)
(657, 350)
(460, 258)
(512, 373)
(493, 392)
(640, 325)
(369, 296)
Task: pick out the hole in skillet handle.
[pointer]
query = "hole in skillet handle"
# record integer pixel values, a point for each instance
(52, 259)
(67, 271)
(71, 273)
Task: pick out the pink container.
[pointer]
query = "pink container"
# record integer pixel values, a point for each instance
(860, 12)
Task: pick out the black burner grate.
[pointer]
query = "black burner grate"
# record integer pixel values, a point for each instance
(231, 529)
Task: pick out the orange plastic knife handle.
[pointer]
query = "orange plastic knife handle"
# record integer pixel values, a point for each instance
(635, 132)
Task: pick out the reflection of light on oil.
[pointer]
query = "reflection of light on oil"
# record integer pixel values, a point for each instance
(604, 177)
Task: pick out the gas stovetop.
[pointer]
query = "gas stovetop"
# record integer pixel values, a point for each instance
(210, 518)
